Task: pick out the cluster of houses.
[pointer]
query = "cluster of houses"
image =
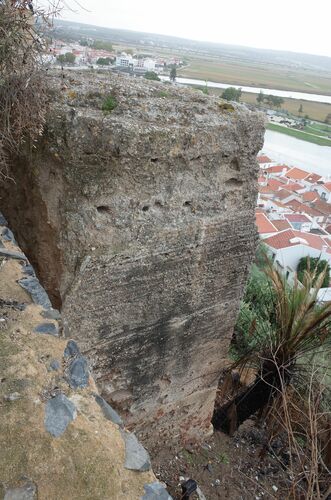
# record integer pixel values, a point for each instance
(87, 55)
(293, 216)
(83, 55)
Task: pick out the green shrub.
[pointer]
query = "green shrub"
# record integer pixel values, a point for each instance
(151, 75)
(256, 318)
(109, 104)
(314, 264)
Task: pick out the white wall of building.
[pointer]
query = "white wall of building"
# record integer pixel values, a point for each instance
(287, 259)
(323, 192)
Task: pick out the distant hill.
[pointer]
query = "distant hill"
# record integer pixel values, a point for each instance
(74, 31)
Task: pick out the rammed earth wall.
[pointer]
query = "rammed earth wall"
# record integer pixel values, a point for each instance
(141, 223)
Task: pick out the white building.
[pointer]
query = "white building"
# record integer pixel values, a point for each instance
(289, 246)
(149, 64)
(124, 61)
(324, 190)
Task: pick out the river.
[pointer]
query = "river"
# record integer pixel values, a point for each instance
(255, 90)
(294, 152)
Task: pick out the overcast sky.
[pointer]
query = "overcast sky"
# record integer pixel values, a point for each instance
(295, 25)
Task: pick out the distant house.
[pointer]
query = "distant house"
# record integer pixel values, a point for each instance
(304, 208)
(301, 222)
(264, 161)
(313, 178)
(310, 196)
(281, 224)
(296, 174)
(124, 61)
(277, 170)
(289, 246)
(324, 190)
(285, 196)
(296, 187)
(264, 226)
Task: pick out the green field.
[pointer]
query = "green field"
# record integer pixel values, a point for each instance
(257, 75)
(304, 136)
(315, 110)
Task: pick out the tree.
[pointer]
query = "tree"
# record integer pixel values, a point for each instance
(102, 45)
(274, 101)
(299, 326)
(67, 58)
(103, 61)
(260, 97)
(173, 73)
(231, 94)
(315, 265)
(151, 75)
(23, 100)
(300, 110)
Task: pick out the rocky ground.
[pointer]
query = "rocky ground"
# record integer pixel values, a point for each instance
(58, 438)
(236, 468)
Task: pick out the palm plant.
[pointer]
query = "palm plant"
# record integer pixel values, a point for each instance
(300, 325)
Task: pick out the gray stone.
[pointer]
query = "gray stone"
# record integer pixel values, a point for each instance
(71, 349)
(13, 304)
(8, 235)
(51, 314)
(48, 328)
(59, 412)
(26, 492)
(155, 491)
(11, 255)
(28, 270)
(54, 365)
(136, 457)
(78, 373)
(108, 411)
(37, 292)
(13, 396)
(3, 221)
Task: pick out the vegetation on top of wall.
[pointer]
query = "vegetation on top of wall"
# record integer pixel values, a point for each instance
(109, 104)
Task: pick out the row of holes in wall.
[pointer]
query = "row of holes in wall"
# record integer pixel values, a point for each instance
(103, 209)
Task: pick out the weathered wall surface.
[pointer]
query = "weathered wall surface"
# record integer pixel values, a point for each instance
(141, 222)
(58, 438)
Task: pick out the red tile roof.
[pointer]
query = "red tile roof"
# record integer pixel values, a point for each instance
(261, 179)
(310, 196)
(296, 206)
(327, 185)
(284, 239)
(264, 225)
(297, 174)
(275, 184)
(283, 179)
(263, 159)
(322, 206)
(281, 224)
(297, 218)
(313, 178)
(282, 194)
(266, 190)
(295, 186)
(277, 169)
(279, 204)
